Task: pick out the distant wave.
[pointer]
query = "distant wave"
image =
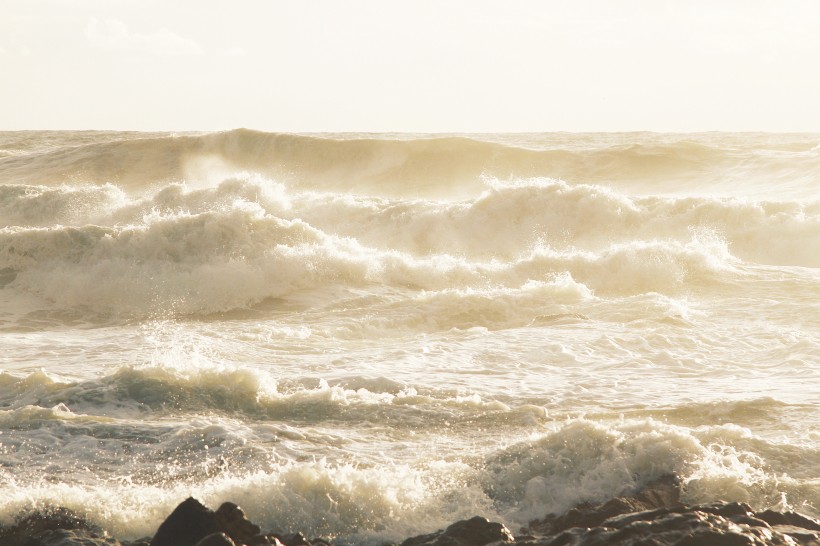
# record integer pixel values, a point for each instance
(433, 166)
(163, 225)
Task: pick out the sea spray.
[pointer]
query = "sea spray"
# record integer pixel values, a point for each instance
(369, 337)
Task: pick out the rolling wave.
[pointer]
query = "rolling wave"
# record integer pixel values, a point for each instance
(216, 456)
(188, 251)
(216, 262)
(370, 336)
(425, 165)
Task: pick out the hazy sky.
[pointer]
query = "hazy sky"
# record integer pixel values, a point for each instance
(381, 65)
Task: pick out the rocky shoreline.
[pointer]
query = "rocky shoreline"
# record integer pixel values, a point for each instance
(652, 516)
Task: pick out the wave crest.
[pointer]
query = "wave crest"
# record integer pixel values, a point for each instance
(429, 165)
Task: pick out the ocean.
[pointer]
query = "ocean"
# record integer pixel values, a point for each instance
(370, 336)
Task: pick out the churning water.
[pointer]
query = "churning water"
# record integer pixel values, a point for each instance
(371, 336)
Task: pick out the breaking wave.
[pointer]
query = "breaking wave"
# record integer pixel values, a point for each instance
(186, 251)
(262, 459)
(371, 336)
(430, 165)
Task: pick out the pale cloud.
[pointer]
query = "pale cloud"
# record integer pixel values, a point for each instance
(115, 35)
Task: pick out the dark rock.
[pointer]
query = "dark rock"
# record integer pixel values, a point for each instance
(661, 493)
(234, 522)
(476, 531)
(720, 523)
(216, 539)
(588, 515)
(189, 523)
(479, 531)
(421, 540)
(789, 518)
(726, 509)
(36, 527)
(295, 539)
(707, 537)
(652, 516)
(70, 537)
(625, 520)
(272, 540)
(655, 516)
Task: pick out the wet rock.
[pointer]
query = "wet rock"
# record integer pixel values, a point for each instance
(265, 540)
(476, 531)
(66, 537)
(52, 527)
(233, 521)
(216, 539)
(294, 539)
(789, 518)
(663, 492)
(189, 523)
(653, 516)
(718, 523)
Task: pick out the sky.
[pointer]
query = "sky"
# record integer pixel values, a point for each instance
(410, 65)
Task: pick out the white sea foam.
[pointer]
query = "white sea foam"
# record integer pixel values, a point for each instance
(232, 253)
(371, 337)
(575, 462)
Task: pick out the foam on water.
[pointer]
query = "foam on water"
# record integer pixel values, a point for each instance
(215, 250)
(551, 471)
(371, 337)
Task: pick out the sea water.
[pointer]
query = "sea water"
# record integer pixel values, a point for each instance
(368, 336)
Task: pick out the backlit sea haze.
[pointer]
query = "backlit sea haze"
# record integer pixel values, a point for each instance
(370, 336)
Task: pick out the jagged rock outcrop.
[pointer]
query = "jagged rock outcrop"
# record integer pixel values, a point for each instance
(189, 523)
(655, 516)
(476, 531)
(700, 525)
(193, 524)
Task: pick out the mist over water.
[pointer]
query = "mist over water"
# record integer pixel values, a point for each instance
(371, 336)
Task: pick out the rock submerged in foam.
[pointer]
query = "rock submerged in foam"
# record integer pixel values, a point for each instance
(55, 527)
(655, 516)
(652, 516)
(716, 524)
